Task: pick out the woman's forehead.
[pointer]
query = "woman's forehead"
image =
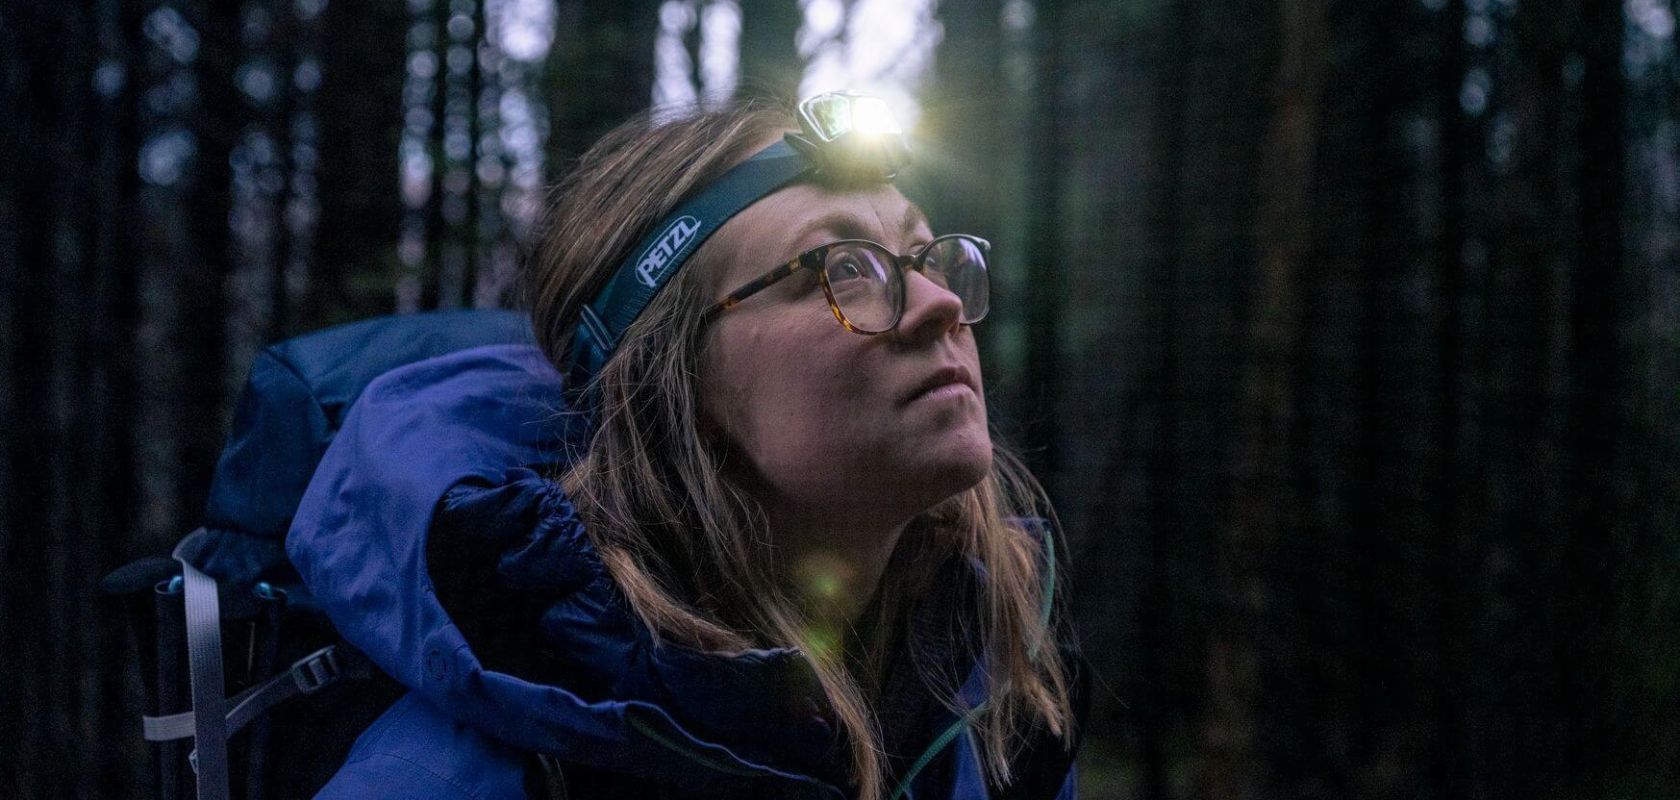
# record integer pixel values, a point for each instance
(803, 211)
(798, 217)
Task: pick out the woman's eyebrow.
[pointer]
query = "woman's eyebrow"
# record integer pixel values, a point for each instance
(913, 217)
(847, 225)
(841, 223)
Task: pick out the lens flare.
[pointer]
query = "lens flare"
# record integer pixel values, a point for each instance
(825, 586)
(820, 644)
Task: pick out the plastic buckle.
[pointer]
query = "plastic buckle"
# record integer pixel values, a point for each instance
(316, 670)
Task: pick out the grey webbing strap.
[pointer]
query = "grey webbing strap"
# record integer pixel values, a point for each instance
(307, 675)
(204, 664)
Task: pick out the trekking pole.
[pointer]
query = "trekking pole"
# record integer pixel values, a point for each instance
(256, 761)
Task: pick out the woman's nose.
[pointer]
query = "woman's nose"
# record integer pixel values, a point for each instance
(930, 310)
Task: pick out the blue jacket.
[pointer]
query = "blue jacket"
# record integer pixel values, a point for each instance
(453, 447)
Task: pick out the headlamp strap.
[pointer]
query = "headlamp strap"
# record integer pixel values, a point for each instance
(673, 240)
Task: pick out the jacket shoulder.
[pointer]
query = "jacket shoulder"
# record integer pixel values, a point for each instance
(414, 750)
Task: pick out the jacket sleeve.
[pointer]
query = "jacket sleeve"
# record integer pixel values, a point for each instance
(413, 750)
(388, 775)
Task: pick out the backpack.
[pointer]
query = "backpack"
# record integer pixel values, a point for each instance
(228, 633)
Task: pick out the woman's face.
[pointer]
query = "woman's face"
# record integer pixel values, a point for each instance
(834, 423)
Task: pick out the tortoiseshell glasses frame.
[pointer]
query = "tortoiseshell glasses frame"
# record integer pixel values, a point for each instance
(974, 294)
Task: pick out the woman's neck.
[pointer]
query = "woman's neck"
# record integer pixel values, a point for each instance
(832, 569)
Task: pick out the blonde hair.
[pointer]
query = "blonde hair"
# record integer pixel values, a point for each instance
(653, 485)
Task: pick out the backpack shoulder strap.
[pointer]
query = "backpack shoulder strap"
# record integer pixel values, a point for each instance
(204, 662)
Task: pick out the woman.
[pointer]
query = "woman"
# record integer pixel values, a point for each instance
(783, 555)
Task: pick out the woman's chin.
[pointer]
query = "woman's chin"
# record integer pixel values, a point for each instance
(952, 465)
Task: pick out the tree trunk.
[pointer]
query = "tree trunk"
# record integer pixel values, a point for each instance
(601, 71)
(1043, 256)
(1264, 501)
(770, 63)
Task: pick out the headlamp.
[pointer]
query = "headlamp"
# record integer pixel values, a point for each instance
(851, 136)
(844, 137)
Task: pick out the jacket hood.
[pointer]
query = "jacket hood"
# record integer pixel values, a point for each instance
(458, 443)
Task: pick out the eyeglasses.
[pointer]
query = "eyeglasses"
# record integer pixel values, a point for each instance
(864, 281)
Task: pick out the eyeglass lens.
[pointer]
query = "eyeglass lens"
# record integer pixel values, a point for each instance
(869, 289)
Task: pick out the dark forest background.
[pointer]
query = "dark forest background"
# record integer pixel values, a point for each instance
(1345, 334)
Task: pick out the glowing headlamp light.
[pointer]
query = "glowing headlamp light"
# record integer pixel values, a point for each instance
(843, 137)
(851, 135)
(835, 114)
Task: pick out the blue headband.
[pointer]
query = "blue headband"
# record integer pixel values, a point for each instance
(655, 260)
(834, 141)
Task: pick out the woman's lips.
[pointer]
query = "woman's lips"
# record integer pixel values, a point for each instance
(948, 391)
(950, 381)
